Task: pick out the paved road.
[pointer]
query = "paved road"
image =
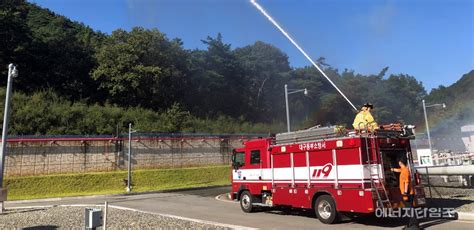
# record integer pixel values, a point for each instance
(201, 204)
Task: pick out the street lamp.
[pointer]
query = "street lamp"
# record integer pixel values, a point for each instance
(129, 174)
(12, 73)
(426, 121)
(305, 91)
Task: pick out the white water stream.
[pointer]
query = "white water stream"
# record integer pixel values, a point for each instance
(264, 12)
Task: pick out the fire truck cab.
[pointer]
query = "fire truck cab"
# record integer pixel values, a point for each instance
(323, 169)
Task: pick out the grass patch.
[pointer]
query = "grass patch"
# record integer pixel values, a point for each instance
(35, 187)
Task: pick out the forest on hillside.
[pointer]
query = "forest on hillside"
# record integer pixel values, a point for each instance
(74, 80)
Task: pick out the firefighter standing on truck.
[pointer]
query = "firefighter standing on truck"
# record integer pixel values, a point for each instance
(406, 189)
(364, 119)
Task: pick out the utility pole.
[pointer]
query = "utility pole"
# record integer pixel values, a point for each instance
(427, 128)
(426, 121)
(287, 109)
(12, 73)
(129, 178)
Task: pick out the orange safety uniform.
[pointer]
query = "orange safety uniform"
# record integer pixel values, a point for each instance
(405, 179)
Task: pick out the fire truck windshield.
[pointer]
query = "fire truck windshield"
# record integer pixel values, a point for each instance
(238, 160)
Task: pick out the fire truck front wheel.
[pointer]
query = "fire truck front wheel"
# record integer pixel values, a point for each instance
(325, 209)
(246, 200)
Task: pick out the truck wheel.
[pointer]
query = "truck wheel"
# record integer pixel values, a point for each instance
(325, 209)
(246, 200)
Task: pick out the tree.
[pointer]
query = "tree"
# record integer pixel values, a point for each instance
(15, 34)
(217, 84)
(50, 50)
(307, 107)
(402, 97)
(264, 67)
(141, 68)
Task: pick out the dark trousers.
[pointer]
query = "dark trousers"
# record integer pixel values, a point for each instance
(413, 221)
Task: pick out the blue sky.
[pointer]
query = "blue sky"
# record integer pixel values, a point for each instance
(432, 40)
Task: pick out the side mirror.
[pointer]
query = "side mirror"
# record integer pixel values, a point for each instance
(234, 164)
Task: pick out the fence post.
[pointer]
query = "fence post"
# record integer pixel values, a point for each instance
(34, 164)
(85, 156)
(428, 178)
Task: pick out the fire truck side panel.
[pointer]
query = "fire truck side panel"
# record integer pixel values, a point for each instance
(281, 160)
(353, 200)
(350, 159)
(347, 200)
(320, 157)
(322, 173)
(295, 197)
(282, 196)
(301, 198)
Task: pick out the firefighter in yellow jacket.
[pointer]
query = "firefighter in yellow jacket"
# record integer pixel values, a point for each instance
(364, 119)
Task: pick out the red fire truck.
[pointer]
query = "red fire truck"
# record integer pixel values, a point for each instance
(323, 169)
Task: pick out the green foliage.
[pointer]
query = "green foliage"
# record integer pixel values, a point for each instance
(175, 119)
(224, 124)
(36, 187)
(216, 81)
(74, 80)
(141, 68)
(47, 113)
(51, 51)
(459, 106)
(396, 98)
(15, 35)
(264, 67)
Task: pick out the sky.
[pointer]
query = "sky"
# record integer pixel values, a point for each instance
(432, 40)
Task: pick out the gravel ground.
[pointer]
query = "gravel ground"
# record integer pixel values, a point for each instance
(450, 194)
(73, 218)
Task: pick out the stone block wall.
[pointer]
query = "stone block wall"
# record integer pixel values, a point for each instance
(53, 156)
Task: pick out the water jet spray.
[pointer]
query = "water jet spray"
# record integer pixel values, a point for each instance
(264, 12)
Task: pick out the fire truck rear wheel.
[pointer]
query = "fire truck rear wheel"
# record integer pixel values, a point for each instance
(246, 200)
(325, 209)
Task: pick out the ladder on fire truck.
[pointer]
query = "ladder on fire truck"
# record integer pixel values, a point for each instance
(383, 201)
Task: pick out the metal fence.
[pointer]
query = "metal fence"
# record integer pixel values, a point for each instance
(29, 155)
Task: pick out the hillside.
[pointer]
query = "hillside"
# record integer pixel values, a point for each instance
(51, 51)
(459, 99)
(93, 82)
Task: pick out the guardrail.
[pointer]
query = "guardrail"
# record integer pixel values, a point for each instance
(465, 173)
(446, 170)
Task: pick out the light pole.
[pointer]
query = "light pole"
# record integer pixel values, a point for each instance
(426, 121)
(129, 175)
(12, 73)
(286, 100)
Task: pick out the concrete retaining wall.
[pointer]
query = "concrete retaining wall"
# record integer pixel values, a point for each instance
(36, 157)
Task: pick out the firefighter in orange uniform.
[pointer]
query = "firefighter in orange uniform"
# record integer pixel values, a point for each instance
(364, 119)
(406, 189)
(405, 183)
